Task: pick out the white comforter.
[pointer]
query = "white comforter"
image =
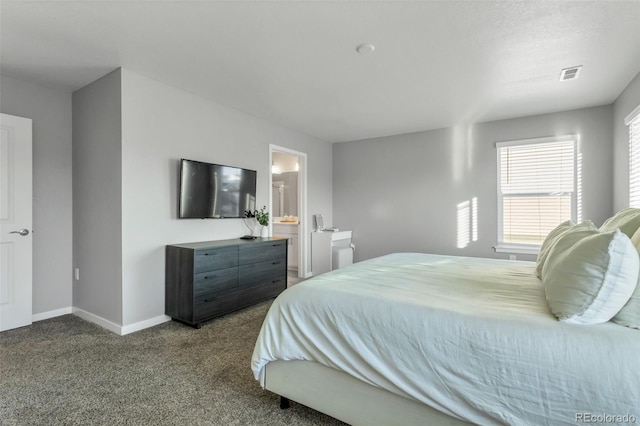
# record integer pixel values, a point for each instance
(472, 338)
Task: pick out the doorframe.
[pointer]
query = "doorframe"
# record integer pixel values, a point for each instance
(303, 249)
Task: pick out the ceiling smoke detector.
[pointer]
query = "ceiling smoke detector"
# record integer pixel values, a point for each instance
(570, 73)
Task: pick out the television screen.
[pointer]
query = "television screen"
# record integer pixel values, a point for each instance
(215, 191)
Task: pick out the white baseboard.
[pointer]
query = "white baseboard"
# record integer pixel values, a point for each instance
(119, 329)
(141, 325)
(51, 314)
(104, 323)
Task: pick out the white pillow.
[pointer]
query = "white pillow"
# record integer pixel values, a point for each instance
(629, 315)
(627, 220)
(548, 243)
(566, 240)
(589, 282)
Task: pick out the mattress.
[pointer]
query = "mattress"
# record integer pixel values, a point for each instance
(472, 338)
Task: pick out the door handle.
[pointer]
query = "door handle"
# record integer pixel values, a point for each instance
(23, 232)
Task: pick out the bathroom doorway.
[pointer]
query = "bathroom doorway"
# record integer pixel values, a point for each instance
(288, 205)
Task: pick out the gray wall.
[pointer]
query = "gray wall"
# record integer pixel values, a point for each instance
(97, 224)
(400, 193)
(290, 195)
(50, 111)
(160, 125)
(123, 187)
(628, 100)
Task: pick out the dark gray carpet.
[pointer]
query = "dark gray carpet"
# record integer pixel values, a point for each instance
(66, 371)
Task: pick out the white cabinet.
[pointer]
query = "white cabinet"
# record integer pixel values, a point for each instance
(330, 250)
(290, 231)
(293, 252)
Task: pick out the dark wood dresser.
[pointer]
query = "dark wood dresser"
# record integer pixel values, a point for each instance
(207, 279)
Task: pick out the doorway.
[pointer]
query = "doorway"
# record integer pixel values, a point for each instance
(288, 204)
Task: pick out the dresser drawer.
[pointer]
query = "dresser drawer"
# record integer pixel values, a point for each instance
(215, 306)
(215, 258)
(261, 252)
(211, 283)
(259, 293)
(263, 273)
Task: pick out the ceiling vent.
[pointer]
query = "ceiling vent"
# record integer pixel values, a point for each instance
(570, 73)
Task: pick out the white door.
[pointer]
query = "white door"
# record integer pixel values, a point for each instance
(15, 222)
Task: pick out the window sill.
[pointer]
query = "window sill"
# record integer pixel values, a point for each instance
(517, 248)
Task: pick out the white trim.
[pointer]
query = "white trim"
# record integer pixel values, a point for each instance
(141, 325)
(303, 232)
(632, 115)
(499, 200)
(104, 323)
(547, 139)
(51, 314)
(517, 248)
(633, 121)
(118, 329)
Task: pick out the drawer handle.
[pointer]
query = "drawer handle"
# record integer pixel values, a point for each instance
(212, 276)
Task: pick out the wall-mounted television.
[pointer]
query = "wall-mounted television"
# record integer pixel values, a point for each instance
(215, 191)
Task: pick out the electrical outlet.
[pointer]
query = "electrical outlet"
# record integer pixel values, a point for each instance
(512, 257)
(76, 274)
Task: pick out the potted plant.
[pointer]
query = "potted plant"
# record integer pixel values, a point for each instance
(262, 216)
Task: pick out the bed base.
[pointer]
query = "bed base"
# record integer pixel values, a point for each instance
(345, 398)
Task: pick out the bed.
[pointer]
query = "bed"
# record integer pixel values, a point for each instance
(412, 338)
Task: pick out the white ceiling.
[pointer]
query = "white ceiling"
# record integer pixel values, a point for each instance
(436, 64)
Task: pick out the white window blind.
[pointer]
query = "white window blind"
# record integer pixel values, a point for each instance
(536, 188)
(633, 121)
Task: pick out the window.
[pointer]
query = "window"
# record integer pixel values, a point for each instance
(633, 121)
(537, 190)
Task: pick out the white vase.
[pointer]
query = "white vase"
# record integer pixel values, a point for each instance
(264, 232)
